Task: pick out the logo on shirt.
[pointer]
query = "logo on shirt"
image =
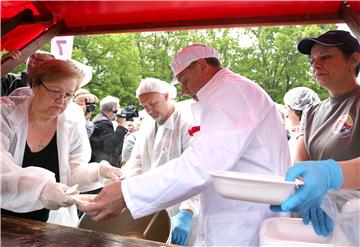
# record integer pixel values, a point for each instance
(343, 126)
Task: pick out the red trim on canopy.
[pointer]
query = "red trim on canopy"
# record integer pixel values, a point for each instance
(91, 17)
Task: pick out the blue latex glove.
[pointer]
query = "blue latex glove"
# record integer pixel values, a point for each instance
(321, 223)
(180, 224)
(318, 176)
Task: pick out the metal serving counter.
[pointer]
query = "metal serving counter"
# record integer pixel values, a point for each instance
(23, 232)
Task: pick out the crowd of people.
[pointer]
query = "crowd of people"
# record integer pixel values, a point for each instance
(50, 142)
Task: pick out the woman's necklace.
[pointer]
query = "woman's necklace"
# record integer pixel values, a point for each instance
(40, 134)
(42, 142)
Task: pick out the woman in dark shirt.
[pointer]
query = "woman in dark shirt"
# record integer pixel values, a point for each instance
(44, 145)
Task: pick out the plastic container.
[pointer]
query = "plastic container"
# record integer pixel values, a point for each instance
(260, 188)
(290, 232)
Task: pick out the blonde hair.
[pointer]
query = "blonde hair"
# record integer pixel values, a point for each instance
(85, 92)
(55, 70)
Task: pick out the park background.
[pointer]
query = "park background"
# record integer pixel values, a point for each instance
(266, 55)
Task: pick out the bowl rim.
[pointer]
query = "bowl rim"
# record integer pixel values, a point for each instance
(253, 177)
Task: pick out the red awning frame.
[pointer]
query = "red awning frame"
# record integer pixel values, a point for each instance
(28, 25)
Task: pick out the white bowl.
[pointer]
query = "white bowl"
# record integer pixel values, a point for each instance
(252, 187)
(290, 232)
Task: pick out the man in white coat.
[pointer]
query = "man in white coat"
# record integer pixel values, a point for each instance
(163, 136)
(241, 130)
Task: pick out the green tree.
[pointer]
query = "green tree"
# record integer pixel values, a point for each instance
(274, 62)
(114, 60)
(120, 61)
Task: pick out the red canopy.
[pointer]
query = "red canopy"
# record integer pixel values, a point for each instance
(32, 23)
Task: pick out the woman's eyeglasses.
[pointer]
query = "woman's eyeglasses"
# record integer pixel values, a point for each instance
(58, 94)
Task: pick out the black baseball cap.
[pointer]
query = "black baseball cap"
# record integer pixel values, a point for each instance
(330, 38)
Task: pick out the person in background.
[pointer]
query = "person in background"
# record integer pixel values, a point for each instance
(87, 101)
(328, 152)
(131, 127)
(106, 143)
(119, 120)
(11, 81)
(163, 136)
(240, 130)
(44, 147)
(296, 100)
(130, 139)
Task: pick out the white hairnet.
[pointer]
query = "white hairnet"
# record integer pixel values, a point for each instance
(300, 97)
(148, 85)
(189, 54)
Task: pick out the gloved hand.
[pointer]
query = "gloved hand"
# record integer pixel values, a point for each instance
(321, 223)
(108, 171)
(180, 225)
(318, 176)
(54, 196)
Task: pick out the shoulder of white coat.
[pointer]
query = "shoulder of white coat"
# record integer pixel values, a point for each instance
(7, 105)
(237, 88)
(183, 112)
(74, 114)
(15, 106)
(147, 125)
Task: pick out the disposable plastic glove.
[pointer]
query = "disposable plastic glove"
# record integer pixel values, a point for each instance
(180, 224)
(109, 171)
(318, 176)
(54, 196)
(321, 223)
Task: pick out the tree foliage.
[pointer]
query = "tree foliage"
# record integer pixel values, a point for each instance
(114, 59)
(267, 55)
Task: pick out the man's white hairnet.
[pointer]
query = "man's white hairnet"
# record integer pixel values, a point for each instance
(148, 85)
(300, 97)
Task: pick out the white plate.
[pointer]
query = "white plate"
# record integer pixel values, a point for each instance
(252, 187)
(83, 199)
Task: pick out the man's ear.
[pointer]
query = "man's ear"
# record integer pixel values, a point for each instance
(203, 64)
(354, 60)
(166, 95)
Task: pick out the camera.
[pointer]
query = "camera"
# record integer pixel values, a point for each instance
(90, 107)
(128, 113)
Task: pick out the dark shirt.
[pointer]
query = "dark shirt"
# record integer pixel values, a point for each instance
(10, 82)
(106, 144)
(46, 158)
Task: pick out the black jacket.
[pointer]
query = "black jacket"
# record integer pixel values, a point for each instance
(106, 144)
(10, 82)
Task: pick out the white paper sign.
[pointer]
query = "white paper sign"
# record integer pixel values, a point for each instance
(61, 47)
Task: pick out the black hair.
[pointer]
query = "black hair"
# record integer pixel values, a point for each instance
(213, 61)
(347, 51)
(297, 112)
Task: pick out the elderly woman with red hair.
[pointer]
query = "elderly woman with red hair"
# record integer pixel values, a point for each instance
(45, 148)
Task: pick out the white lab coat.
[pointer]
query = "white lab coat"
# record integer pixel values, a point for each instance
(154, 148)
(292, 145)
(240, 131)
(21, 187)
